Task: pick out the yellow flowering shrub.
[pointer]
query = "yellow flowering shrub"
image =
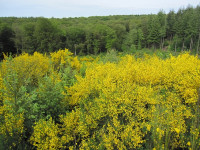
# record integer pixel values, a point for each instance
(131, 103)
(63, 58)
(59, 58)
(18, 73)
(1, 91)
(46, 135)
(121, 104)
(12, 122)
(70, 128)
(26, 67)
(11, 127)
(74, 62)
(108, 97)
(87, 59)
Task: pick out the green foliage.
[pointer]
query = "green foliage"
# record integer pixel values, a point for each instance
(48, 101)
(111, 56)
(109, 101)
(7, 44)
(46, 35)
(30, 90)
(75, 39)
(29, 45)
(46, 135)
(153, 32)
(146, 100)
(93, 35)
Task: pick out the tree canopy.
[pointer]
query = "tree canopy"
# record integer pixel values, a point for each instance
(92, 35)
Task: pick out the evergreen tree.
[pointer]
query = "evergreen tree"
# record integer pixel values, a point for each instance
(170, 27)
(153, 32)
(162, 30)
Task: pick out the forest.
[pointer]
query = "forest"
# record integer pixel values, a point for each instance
(176, 31)
(103, 82)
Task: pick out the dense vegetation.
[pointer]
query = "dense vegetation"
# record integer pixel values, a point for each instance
(69, 99)
(113, 102)
(173, 31)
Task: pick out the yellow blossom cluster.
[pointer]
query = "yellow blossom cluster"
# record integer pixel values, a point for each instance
(12, 127)
(1, 91)
(27, 68)
(22, 75)
(87, 59)
(132, 103)
(13, 123)
(62, 58)
(121, 104)
(46, 135)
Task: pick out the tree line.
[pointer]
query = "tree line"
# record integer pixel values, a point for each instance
(174, 31)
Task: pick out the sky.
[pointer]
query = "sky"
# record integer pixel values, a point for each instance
(86, 8)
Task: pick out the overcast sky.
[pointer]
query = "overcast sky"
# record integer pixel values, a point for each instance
(85, 8)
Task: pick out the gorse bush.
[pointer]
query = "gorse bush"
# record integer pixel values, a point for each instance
(46, 135)
(148, 102)
(30, 90)
(121, 103)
